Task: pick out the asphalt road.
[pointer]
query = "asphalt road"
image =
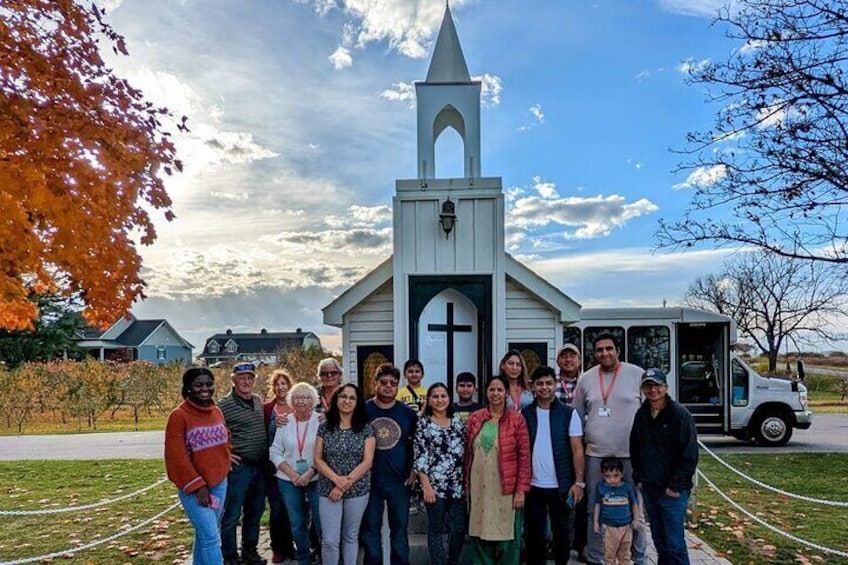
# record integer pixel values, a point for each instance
(829, 433)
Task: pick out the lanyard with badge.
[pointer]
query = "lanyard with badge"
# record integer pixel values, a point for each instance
(301, 466)
(605, 411)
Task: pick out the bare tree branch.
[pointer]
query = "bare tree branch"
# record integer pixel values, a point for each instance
(774, 298)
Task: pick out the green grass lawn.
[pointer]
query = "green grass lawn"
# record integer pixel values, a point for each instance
(50, 484)
(741, 540)
(30, 485)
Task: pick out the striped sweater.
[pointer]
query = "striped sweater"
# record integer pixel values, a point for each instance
(246, 422)
(197, 446)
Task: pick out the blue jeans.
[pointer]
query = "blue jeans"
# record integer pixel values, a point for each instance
(395, 496)
(206, 522)
(450, 511)
(301, 502)
(667, 516)
(246, 492)
(278, 519)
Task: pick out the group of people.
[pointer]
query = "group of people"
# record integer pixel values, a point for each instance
(548, 457)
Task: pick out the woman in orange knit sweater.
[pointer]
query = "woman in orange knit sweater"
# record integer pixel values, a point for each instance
(197, 459)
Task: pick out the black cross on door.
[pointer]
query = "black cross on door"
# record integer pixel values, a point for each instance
(449, 328)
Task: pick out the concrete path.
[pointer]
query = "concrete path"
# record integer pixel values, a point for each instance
(112, 445)
(699, 552)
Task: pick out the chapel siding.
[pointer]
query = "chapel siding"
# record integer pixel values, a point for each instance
(369, 323)
(529, 320)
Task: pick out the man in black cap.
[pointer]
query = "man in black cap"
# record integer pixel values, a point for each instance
(664, 455)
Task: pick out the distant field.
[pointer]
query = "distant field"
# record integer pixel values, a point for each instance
(123, 421)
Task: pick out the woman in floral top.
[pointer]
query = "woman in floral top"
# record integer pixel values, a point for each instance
(439, 447)
(344, 451)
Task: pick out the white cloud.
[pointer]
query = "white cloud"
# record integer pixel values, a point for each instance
(408, 26)
(360, 217)
(701, 8)
(401, 92)
(703, 176)
(490, 89)
(208, 144)
(341, 58)
(690, 65)
(752, 45)
(776, 114)
(229, 195)
(536, 110)
(643, 74)
(546, 190)
(585, 217)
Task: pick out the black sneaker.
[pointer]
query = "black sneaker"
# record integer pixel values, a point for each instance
(252, 558)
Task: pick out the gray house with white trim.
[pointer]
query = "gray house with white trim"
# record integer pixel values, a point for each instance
(131, 339)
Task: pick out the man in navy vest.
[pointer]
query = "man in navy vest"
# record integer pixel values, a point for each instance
(556, 485)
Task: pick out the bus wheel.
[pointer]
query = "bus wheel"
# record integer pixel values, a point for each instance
(772, 428)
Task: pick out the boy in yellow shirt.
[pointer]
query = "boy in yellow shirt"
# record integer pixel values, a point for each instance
(414, 394)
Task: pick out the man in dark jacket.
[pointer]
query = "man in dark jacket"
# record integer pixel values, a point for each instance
(556, 484)
(664, 454)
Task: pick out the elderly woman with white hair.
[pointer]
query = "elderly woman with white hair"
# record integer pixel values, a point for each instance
(330, 376)
(292, 454)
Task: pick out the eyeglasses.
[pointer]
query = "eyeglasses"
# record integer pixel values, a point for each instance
(324, 374)
(300, 399)
(602, 349)
(387, 382)
(242, 367)
(350, 397)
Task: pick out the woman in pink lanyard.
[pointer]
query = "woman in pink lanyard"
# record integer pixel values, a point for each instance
(292, 455)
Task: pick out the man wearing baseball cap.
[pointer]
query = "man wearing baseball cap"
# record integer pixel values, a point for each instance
(568, 361)
(245, 418)
(664, 455)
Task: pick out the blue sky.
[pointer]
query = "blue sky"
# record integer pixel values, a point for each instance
(301, 120)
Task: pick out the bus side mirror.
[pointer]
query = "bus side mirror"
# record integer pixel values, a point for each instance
(801, 372)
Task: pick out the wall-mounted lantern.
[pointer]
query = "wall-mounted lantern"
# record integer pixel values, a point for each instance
(447, 217)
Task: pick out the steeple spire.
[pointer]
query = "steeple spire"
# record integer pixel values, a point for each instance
(448, 62)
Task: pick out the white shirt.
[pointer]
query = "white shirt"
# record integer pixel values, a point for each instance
(544, 470)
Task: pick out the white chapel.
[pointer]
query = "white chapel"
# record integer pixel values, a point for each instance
(449, 295)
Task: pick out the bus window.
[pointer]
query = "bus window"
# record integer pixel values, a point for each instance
(649, 346)
(571, 334)
(740, 384)
(589, 335)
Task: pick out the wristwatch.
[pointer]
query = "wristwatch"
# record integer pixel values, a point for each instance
(580, 484)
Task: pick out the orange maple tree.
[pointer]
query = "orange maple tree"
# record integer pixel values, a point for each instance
(82, 159)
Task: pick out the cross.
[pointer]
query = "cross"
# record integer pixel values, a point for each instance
(449, 328)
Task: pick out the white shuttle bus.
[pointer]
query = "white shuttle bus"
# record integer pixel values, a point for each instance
(692, 347)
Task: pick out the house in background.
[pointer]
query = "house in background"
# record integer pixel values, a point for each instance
(131, 339)
(263, 346)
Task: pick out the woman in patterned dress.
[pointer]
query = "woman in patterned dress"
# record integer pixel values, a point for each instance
(344, 451)
(497, 475)
(439, 447)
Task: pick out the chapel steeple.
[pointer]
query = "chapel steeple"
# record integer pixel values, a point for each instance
(448, 98)
(448, 62)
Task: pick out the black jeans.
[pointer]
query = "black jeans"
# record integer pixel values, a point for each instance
(540, 505)
(452, 512)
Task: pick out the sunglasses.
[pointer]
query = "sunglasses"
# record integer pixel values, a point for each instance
(242, 367)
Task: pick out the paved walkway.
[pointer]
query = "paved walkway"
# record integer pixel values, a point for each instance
(699, 552)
